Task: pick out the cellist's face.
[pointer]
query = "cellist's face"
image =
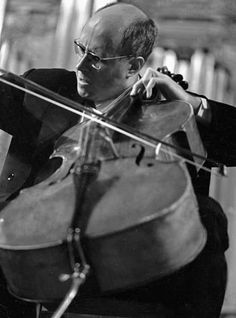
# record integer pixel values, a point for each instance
(105, 79)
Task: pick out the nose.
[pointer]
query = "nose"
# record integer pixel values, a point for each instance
(83, 62)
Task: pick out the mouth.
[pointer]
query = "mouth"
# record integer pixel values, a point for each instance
(83, 81)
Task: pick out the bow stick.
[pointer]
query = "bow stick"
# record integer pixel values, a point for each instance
(96, 116)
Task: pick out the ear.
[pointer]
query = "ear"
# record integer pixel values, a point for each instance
(136, 63)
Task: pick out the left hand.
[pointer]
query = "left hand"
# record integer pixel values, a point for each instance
(166, 86)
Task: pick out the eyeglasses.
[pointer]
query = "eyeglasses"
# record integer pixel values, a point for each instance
(94, 60)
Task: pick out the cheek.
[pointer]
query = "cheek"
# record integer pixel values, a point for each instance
(110, 77)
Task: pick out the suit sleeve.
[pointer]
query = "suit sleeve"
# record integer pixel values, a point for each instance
(10, 105)
(12, 110)
(219, 137)
(23, 115)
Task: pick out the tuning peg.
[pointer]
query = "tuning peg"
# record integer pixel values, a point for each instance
(184, 84)
(177, 77)
(164, 70)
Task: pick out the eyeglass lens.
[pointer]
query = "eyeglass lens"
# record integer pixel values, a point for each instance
(93, 59)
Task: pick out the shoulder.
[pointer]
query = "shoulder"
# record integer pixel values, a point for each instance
(51, 78)
(59, 81)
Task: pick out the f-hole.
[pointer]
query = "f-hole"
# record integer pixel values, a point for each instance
(140, 154)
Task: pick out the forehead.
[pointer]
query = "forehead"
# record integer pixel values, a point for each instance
(102, 33)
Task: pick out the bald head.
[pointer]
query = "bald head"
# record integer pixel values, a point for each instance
(120, 14)
(125, 28)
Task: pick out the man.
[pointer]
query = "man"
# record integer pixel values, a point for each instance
(112, 48)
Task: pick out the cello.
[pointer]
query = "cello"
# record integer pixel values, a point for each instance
(65, 206)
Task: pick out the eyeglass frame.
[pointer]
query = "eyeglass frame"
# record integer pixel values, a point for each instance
(100, 59)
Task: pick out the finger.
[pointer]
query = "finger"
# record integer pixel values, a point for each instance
(141, 84)
(149, 88)
(149, 73)
(137, 87)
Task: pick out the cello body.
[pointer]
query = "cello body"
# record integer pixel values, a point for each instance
(139, 216)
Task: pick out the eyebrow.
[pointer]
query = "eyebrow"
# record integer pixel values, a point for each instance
(88, 50)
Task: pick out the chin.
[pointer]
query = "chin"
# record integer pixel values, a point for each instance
(83, 92)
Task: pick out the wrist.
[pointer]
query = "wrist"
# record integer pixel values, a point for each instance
(196, 103)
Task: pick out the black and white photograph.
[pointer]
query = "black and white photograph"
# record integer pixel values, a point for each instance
(117, 159)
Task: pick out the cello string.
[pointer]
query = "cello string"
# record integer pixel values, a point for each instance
(114, 126)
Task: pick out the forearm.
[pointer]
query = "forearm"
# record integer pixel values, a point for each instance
(10, 105)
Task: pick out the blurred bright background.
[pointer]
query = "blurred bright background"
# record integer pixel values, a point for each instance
(196, 39)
